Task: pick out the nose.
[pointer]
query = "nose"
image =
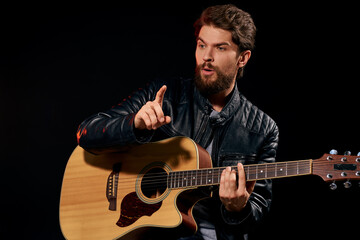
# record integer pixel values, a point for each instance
(208, 55)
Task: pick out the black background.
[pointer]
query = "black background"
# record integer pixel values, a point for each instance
(60, 63)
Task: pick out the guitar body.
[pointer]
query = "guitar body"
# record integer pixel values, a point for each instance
(110, 196)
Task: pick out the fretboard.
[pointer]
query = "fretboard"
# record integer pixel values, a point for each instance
(211, 176)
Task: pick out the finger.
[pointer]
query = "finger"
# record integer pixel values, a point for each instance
(143, 121)
(167, 119)
(159, 112)
(232, 181)
(223, 182)
(241, 177)
(153, 119)
(250, 185)
(160, 95)
(227, 179)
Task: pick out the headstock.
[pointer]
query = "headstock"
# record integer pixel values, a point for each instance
(333, 167)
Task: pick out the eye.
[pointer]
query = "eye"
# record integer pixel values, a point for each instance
(201, 45)
(221, 48)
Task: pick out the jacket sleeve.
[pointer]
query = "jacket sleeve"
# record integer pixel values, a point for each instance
(109, 130)
(260, 199)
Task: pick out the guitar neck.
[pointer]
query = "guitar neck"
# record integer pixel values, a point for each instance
(211, 176)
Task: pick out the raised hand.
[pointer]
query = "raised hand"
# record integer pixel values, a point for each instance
(151, 115)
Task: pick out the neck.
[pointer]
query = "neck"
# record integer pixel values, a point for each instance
(219, 100)
(212, 176)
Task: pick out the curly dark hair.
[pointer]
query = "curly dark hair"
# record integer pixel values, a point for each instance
(229, 17)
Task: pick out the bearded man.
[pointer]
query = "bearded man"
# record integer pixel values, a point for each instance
(210, 110)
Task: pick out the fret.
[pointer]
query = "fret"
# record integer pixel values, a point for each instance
(256, 172)
(185, 179)
(266, 170)
(251, 173)
(292, 169)
(177, 183)
(168, 184)
(181, 179)
(209, 176)
(202, 177)
(261, 171)
(297, 167)
(178, 179)
(181, 176)
(193, 178)
(247, 171)
(199, 178)
(280, 170)
(305, 167)
(188, 178)
(271, 170)
(219, 171)
(171, 180)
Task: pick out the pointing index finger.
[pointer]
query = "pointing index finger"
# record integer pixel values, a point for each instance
(160, 95)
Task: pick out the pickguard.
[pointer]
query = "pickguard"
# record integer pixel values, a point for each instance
(132, 208)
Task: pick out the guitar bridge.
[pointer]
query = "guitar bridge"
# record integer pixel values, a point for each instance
(112, 186)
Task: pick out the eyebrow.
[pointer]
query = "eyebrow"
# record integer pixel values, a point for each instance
(217, 44)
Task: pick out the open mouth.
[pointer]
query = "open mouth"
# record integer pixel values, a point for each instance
(207, 71)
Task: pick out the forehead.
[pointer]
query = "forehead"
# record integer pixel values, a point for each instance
(214, 35)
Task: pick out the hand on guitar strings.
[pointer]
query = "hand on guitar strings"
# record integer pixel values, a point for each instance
(151, 115)
(234, 193)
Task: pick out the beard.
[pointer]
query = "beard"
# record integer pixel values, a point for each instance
(209, 87)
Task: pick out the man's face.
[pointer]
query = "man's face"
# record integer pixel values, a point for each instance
(217, 60)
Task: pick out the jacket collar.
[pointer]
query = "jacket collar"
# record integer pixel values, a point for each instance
(226, 113)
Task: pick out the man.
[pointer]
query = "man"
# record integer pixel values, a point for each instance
(210, 110)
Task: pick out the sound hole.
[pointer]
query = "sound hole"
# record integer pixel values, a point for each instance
(154, 183)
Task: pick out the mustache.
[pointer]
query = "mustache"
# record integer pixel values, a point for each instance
(207, 65)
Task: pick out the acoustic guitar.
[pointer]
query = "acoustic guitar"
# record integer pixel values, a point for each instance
(153, 187)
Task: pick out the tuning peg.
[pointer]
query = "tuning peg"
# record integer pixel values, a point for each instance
(347, 153)
(334, 152)
(333, 186)
(347, 184)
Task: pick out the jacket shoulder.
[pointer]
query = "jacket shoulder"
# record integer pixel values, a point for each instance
(254, 119)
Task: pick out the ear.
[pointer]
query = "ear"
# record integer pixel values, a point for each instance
(244, 58)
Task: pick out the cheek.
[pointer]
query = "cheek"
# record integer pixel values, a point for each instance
(229, 64)
(197, 57)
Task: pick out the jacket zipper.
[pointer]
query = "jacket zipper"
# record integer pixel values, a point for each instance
(201, 131)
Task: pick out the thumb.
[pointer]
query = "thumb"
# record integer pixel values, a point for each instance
(250, 185)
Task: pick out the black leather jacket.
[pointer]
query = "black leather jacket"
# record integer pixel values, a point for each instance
(241, 133)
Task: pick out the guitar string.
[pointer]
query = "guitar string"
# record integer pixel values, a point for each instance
(155, 178)
(265, 167)
(250, 170)
(270, 170)
(181, 183)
